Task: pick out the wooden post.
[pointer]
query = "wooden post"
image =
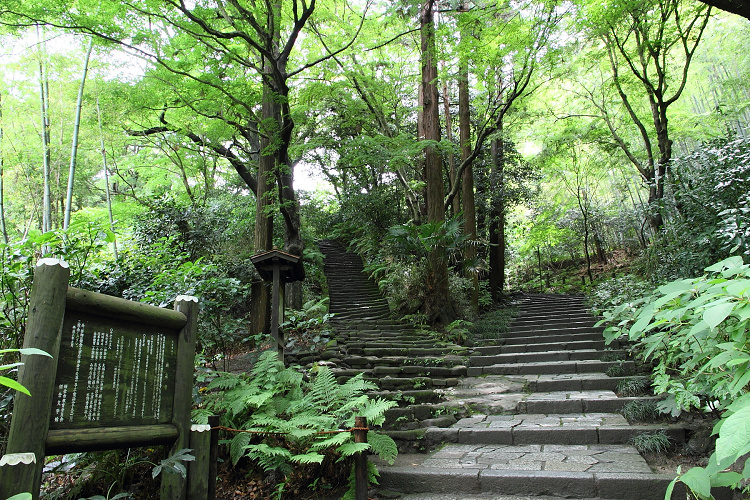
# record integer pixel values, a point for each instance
(198, 470)
(174, 486)
(31, 415)
(213, 460)
(360, 460)
(276, 340)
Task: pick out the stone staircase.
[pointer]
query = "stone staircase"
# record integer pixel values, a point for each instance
(537, 413)
(546, 418)
(407, 366)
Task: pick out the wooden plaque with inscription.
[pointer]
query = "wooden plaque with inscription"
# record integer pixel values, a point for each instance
(113, 375)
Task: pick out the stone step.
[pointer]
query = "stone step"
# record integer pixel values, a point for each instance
(543, 337)
(563, 429)
(405, 371)
(491, 350)
(563, 328)
(583, 471)
(402, 361)
(544, 356)
(555, 367)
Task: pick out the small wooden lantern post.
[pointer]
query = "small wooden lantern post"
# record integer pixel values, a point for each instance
(277, 266)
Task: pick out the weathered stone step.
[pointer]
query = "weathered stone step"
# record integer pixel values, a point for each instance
(389, 383)
(545, 337)
(555, 367)
(584, 471)
(564, 429)
(402, 361)
(563, 328)
(490, 350)
(544, 356)
(405, 371)
(413, 351)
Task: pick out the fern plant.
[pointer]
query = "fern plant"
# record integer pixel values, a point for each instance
(293, 420)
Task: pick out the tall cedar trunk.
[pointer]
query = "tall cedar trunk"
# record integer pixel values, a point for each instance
(260, 305)
(456, 204)
(467, 187)
(497, 220)
(3, 227)
(437, 306)
(74, 147)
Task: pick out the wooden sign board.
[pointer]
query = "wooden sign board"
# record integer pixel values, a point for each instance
(120, 375)
(113, 374)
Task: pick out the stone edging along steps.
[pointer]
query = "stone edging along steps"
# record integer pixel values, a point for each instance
(537, 415)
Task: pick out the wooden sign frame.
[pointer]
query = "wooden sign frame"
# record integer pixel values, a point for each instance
(115, 377)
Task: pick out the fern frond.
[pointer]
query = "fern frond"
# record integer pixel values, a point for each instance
(334, 440)
(383, 446)
(324, 392)
(269, 457)
(374, 410)
(372, 473)
(237, 446)
(356, 386)
(200, 415)
(308, 458)
(349, 449)
(225, 381)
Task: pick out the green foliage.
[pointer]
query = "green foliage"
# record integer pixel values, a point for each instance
(308, 329)
(633, 386)
(613, 292)
(82, 246)
(492, 324)
(292, 417)
(696, 333)
(651, 442)
(10, 383)
(173, 464)
(641, 410)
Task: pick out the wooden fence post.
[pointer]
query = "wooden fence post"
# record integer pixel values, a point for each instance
(360, 460)
(198, 470)
(31, 415)
(174, 486)
(213, 459)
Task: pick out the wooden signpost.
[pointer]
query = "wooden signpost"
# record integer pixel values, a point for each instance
(278, 267)
(120, 376)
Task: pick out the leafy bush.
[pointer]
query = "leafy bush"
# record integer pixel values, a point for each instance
(308, 330)
(613, 292)
(696, 331)
(291, 419)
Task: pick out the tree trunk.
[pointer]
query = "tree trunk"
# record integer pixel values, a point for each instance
(467, 187)
(454, 179)
(497, 220)
(260, 305)
(74, 148)
(437, 306)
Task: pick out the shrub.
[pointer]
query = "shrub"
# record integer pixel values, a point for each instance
(697, 332)
(290, 420)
